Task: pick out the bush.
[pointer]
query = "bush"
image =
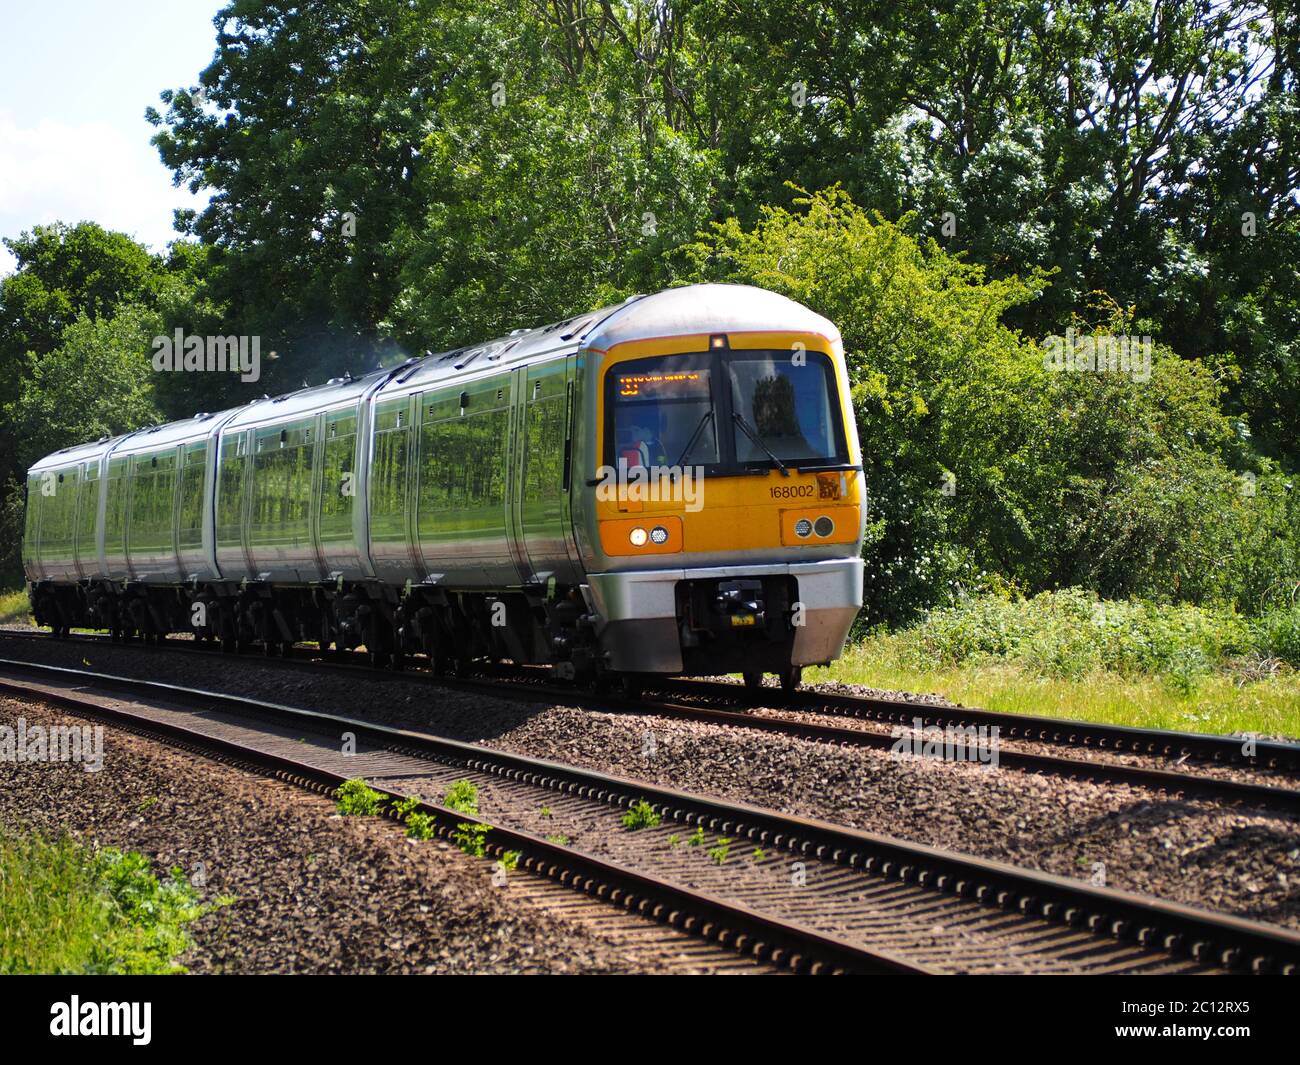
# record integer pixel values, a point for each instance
(1071, 633)
(1277, 635)
(66, 909)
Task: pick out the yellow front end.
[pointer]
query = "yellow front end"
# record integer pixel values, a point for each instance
(729, 503)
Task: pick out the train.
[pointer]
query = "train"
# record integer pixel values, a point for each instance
(670, 486)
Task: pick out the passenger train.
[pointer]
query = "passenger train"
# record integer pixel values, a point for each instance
(672, 485)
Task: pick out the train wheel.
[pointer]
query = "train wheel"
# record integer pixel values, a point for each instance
(791, 678)
(632, 686)
(753, 679)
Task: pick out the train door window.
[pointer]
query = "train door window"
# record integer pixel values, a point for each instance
(462, 463)
(152, 496)
(230, 490)
(388, 473)
(88, 515)
(115, 508)
(59, 500)
(338, 479)
(544, 436)
(189, 520)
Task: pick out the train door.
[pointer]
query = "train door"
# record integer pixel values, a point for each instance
(544, 456)
(32, 529)
(391, 491)
(86, 548)
(513, 510)
(234, 484)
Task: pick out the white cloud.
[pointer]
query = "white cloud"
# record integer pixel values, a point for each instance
(92, 171)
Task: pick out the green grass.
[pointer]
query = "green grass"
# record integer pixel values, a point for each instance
(1049, 671)
(68, 909)
(15, 608)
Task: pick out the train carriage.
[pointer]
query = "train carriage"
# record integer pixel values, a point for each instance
(671, 485)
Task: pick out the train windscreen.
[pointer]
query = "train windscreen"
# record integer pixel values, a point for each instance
(724, 410)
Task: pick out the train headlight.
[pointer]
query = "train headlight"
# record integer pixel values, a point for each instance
(638, 537)
(658, 535)
(824, 526)
(803, 528)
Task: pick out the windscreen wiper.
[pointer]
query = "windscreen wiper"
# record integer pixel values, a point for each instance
(695, 436)
(753, 435)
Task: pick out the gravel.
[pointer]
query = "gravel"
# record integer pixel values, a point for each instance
(313, 892)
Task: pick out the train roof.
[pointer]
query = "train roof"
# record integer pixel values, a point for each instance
(70, 455)
(306, 401)
(713, 308)
(169, 434)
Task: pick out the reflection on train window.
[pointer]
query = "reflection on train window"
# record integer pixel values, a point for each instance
(782, 408)
(662, 412)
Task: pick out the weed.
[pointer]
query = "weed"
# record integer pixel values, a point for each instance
(356, 798)
(640, 815)
(462, 797)
(471, 838)
(419, 825)
(68, 909)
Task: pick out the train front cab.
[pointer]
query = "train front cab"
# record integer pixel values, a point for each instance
(755, 567)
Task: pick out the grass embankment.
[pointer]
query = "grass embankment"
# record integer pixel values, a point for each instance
(15, 608)
(68, 909)
(1066, 654)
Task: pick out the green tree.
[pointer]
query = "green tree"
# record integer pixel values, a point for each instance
(98, 382)
(65, 272)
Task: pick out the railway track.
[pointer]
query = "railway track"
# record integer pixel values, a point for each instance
(714, 703)
(800, 893)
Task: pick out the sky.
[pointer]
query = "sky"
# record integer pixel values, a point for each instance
(75, 79)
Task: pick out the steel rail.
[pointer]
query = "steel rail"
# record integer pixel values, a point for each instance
(529, 684)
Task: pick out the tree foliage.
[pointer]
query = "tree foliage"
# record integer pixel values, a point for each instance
(983, 464)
